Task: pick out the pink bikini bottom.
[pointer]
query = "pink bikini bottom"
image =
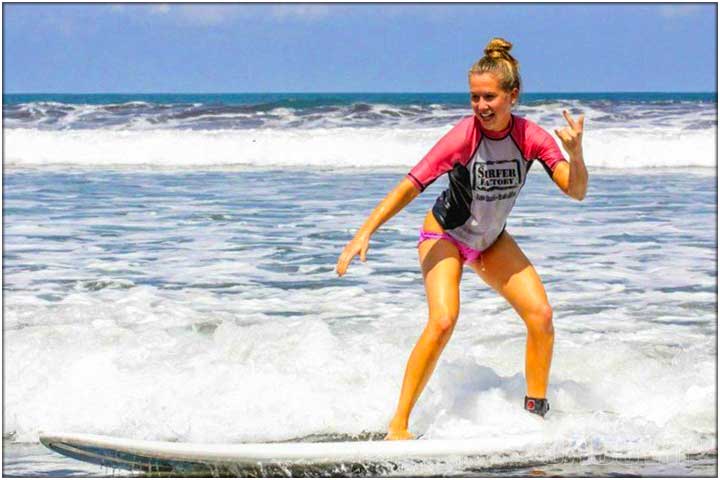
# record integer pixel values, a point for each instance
(467, 254)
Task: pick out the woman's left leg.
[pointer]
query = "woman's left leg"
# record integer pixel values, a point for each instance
(507, 270)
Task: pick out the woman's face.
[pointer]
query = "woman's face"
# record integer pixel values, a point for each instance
(491, 104)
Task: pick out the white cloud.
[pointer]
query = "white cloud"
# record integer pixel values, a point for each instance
(223, 13)
(671, 11)
(194, 14)
(160, 8)
(205, 14)
(187, 14)
(299, 10)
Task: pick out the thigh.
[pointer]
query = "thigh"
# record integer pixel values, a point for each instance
(506, 269)
(442, 269)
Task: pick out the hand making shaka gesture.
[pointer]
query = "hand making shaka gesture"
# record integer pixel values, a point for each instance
(571, 136)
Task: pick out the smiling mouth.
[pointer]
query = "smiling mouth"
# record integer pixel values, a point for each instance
(487, 116)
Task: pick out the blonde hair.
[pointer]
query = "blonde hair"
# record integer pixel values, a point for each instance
(498, 61)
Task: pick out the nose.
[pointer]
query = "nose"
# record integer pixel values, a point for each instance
(482, 105)
(478, 100)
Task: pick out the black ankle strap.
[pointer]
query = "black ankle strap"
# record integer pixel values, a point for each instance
(539, 406)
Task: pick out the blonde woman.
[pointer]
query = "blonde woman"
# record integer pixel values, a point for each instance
(487, 157)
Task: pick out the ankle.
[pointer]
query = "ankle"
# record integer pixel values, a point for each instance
(398, 424)
(538, 406)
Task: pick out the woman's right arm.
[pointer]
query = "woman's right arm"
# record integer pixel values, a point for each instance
(396, 200)
(455, 146)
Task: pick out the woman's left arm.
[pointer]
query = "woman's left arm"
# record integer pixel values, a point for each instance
(572, 177)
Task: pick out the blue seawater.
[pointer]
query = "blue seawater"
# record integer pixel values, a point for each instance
(168, 274)
(323, 99)
(361, 130)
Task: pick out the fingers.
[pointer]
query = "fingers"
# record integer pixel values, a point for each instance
(570, 139)
(343, 262)
(348, 254)
(341, 266)
(569, 119)
(562, 135)
(568, 134)
(354, 247)
(577, 126)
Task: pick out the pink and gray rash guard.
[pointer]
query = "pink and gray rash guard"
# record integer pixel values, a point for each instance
(486, 171)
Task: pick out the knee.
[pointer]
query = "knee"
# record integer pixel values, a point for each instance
(442, 324)
(540, 321)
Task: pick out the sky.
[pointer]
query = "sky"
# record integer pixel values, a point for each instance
(222, 48)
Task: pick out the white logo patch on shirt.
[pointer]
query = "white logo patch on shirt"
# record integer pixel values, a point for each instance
(496, 175)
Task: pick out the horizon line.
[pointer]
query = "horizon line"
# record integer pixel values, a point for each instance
(346, 92)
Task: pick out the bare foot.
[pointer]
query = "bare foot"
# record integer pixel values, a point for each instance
(399, 435)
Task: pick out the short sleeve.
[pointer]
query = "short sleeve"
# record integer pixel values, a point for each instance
(456, 146)
(546, 149)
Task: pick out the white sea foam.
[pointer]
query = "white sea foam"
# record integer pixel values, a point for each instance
(203, 307)
(135, 365)
(335, 148)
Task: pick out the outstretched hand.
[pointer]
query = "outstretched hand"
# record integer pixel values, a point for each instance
(571, 136)
(358, 245)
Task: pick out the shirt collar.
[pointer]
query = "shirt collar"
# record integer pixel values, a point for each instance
(498, 135)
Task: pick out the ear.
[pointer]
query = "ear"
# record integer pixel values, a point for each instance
(514, 93)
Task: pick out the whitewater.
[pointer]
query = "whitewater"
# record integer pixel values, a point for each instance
(176, 282)
(325, 131)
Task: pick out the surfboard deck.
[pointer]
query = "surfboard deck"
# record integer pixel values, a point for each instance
(370, 456)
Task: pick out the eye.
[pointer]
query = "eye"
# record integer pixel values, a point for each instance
(490, 98)
(475, 98)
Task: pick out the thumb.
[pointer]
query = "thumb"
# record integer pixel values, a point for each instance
(363, 253)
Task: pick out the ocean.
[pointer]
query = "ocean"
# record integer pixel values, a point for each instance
(169, 274)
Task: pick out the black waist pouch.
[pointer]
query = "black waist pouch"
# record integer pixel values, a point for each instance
(452, 207)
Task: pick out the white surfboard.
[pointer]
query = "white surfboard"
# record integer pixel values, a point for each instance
(163, 456)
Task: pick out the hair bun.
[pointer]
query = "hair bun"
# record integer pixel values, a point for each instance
(498, 48)
(498, 61)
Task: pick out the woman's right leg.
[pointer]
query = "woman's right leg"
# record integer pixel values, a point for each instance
(442, 269)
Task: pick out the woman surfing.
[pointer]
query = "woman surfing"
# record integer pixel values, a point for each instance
(487, 157)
